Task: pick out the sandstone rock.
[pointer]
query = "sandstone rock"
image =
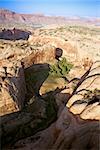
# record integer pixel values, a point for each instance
(44, 55)
(73, 99)
(77, 124)
(37, 115)
(68, 132)
(69, 51)
(85, 100)
(92, 112)
(7, 104)
(78, 108)
(13, 88)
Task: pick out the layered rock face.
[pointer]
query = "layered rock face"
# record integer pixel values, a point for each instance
(65, 118)
(86, 97)
(9, 16)
(12, 87)
(77, 126)
(77, 123)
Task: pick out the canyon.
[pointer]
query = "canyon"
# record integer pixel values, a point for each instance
(49, 86)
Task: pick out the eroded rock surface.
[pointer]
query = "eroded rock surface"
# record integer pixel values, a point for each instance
(77, 123)
(65, 118)
(68, 132)
(86, 98)
(36, 116)
(69, 51)
(12, 87)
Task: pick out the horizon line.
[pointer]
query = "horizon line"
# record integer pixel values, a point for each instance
(50, 15)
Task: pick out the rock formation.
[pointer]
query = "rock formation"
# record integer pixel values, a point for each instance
(69, 51)
(77, 123)
(13, 17)
(12, 87)
(14, 34)
(46, 54)
(67, 117)
(86, 97)
(69, 132)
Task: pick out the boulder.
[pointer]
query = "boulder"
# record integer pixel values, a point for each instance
(14, 34)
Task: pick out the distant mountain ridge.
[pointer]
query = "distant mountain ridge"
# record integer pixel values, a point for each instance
(7, 16)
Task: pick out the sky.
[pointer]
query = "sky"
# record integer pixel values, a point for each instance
(82, 8)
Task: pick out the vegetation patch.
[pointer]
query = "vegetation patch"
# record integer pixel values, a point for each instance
(61, 68)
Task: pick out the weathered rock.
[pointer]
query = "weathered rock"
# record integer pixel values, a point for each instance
(69, 51)
(86, 98)
(91, 112)
(77, 124)
(13, 88)
(68, 132)
(37, 115)
(44, 55)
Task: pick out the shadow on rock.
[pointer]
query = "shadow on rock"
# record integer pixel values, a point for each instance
(35, 76)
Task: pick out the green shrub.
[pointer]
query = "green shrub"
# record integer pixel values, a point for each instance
(61, 68)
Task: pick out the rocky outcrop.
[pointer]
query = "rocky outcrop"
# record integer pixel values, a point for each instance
(46, 54)
(86, 97)
(66, 118)
(68, 132)
(77, 123)
(70, 52)
(14, 82)
(14, 34)
(12, 87)
(36, 116)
